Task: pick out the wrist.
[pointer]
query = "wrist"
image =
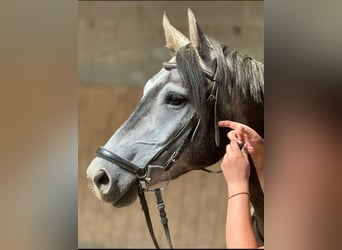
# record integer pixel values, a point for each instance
(258, 149)
(234, 188)
(258, 161)
(236, 194)
(258, 157)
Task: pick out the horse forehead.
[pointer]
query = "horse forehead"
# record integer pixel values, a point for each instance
(175, 76)
(162, 77)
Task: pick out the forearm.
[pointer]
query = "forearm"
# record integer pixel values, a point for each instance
(239, 232)
(258, 160)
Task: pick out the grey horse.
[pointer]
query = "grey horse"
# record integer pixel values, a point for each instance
(204, 82)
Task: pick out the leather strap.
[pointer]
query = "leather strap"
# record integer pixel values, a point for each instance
(211, 171)
(179, 134)
(144, 207)
(162, 213)
(116, 159)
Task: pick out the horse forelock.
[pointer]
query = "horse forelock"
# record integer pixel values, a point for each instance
(191, 73)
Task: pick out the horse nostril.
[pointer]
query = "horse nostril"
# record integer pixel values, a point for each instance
(101, 178)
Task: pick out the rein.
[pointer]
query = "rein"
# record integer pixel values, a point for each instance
(186, 133)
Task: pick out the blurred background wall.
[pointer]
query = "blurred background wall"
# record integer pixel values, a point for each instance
(121, 45)
(123, 42)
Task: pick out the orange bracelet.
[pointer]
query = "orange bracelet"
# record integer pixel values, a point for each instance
(238, 194)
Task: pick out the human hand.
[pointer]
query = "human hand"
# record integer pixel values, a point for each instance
(235, 168)
(253, 142)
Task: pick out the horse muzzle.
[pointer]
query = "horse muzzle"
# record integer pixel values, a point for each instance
(111, 184)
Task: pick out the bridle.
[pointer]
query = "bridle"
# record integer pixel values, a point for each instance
(185, 134)
(143, 174)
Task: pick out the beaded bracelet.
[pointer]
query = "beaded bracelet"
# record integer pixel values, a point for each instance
(238, 194)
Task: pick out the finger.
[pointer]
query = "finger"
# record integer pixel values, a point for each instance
(240, 127)
(244, 153)
(234, 146)
(248, 148)
(227, 154)
(228, 148)
(229, 124)
(232, 135)
(232, 125)
(244, 136)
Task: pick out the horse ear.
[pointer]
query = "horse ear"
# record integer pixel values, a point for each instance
(197, 38)
(174, 38)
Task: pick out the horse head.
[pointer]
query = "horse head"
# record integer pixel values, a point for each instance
(175, 123)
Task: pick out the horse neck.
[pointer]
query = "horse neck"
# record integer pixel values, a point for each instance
(242, 109)
(241, 87)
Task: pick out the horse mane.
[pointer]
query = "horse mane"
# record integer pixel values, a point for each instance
(245, 74)
(236, 74)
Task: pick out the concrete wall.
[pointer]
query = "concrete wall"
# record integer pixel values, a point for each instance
(122, 42)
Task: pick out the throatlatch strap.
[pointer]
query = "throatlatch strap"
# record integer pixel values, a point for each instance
(162, 213)
(212, 171)
(144, 207)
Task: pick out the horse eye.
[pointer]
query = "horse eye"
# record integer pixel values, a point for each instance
(175, 99)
